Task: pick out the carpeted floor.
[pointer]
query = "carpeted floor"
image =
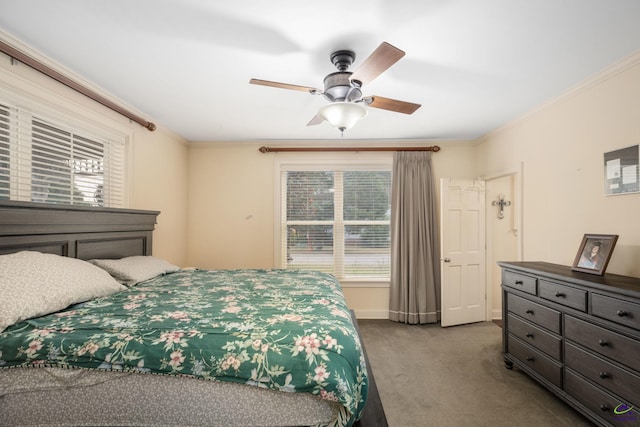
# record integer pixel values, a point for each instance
(433, 376)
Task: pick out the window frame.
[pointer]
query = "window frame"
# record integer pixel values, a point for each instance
(43, 103)
(366, 161)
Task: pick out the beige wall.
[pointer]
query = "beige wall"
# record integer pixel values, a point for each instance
(159, 181)
(230, 206)
(157, 169)
(231, 209)
(561, 147)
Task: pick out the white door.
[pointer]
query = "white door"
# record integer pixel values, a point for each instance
(462, 236)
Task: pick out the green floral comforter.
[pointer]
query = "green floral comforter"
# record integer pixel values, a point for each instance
(280, 329)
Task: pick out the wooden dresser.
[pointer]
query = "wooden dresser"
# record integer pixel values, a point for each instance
(577, 334)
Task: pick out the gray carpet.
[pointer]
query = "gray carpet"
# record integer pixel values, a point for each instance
(433, 376)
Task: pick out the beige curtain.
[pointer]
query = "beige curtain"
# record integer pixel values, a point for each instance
(415, 249)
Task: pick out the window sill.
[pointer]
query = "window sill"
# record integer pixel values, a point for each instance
(384, 283)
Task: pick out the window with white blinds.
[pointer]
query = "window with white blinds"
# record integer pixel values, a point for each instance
(336, 220)
(43, 160)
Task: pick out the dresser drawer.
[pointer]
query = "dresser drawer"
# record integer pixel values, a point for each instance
(599, 401)
(540, 315)
(522, 282)
(616, 310)
(603, 341)
(562, 294)
(536, 360)
(620, 381)
(537, 337)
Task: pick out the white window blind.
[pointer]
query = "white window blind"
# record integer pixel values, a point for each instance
(47, 161)
(337, 221)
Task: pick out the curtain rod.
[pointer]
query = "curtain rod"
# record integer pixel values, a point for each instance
(264, 149)
(50, 72)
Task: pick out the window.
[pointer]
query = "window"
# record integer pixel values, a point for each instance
(336, 219)
(44, 160)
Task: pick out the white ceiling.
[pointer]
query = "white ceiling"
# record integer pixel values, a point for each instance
(185, 64)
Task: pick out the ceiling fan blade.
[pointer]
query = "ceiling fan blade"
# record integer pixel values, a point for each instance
(379, 61)
(315, 121)
(393, 105)
(283, 85)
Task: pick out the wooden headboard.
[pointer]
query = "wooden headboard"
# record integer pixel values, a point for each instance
(75, 231)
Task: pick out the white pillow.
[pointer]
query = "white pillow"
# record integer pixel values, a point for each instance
(135, 269)
(35, 284)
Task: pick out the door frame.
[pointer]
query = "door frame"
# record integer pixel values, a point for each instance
(518, 177)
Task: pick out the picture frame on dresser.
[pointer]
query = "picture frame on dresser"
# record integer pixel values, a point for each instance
(594, 253)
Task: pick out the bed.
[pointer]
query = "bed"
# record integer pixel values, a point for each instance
(159, 345)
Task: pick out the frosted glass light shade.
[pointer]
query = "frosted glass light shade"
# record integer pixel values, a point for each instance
(343, 115)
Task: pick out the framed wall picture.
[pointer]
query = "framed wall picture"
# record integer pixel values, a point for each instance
(621, 172)
(594, 253)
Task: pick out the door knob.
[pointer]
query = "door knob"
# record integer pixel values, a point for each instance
(447, 260)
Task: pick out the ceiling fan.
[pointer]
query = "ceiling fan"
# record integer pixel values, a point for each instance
(343, 88)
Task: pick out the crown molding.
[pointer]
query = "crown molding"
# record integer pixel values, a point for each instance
(606, 74)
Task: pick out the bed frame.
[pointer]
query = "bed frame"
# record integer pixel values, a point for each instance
(75, 231)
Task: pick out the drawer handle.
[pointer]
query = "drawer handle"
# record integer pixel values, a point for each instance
(529, 311)
(603, 343)
(622, 313)
(604, 407)
(530, 358)
(604, 375)
(519, 282)
(529, 335)
(560, 295)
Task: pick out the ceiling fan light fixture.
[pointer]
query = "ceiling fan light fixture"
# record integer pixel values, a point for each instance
(343, 115)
